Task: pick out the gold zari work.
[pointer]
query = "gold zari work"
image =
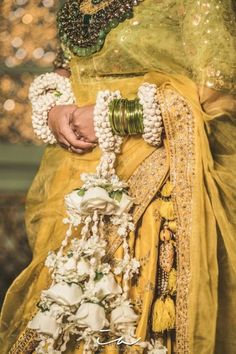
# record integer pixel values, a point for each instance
(88, 7)
(179, 127)
(26, 344)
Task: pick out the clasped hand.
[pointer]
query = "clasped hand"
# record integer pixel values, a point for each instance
(73, 127)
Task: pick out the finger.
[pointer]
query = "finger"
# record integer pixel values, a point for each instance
(70, 136)
(87, 139)
(77, 151)
(63, 142)
(76, 133)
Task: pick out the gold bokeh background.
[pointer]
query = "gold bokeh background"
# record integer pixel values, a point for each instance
(28, 48)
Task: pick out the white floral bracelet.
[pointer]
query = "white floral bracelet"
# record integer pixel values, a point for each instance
(108, 142)
(47, 91)
(152, 119)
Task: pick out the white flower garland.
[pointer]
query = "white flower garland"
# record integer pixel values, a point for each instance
(152, 119)
(84, 298)
(45, 92)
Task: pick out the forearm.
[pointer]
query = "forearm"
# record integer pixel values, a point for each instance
(62, 72)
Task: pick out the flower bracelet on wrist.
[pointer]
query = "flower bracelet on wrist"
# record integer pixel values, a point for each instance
(47, 91)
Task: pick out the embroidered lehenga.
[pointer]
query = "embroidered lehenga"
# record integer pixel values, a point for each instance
(185, 187)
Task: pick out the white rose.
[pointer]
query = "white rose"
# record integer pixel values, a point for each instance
(83, 268)
(64, 294)
(98, 199)
(106, 286)
(122, 317)
(73, 200)
(46, 323)
(157, 348)
(125, 204)
(92, 316)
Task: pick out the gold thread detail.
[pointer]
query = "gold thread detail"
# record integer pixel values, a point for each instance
(26, 343)
(179, 127)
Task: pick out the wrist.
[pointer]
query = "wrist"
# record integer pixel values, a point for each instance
(47, 91)
(126, 117)
(139, 116)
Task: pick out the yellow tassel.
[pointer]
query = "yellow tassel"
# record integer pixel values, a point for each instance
(170, 309)
(163, 317)
(172, 281)
(167, 189)
(172, 226)
(167, 210)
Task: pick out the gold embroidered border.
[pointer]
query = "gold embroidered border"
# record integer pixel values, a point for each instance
(26, 343)
(143, 185)
(179, 128)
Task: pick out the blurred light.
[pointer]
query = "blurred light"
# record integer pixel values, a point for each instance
(21, 2)
(48, 3)
(17, 42)
(20, 53)
(10, 62)
(38, 53)
(9, 105)
(19, 12)
(49, 57)
(23, 43)
(27, 19)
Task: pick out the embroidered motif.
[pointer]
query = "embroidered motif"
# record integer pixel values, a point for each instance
(84, 25)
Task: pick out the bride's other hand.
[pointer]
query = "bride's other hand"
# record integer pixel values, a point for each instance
(82, 123)
(59, 122)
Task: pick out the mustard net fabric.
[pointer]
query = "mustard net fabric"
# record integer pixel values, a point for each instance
(156, 46)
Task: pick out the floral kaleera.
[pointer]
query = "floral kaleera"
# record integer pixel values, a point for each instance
(85, 299)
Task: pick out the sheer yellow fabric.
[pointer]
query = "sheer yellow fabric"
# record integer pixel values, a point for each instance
(141, 50)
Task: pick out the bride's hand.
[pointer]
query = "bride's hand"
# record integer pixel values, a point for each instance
(59, 122)
(82, 123)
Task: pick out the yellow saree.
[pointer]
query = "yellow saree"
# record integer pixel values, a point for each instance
(198, 157)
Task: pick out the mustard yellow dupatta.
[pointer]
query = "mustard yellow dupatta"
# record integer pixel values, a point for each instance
(199, 158)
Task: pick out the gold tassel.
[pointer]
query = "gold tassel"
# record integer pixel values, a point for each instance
(167, 189)
(163, 317)
(172, 226)
(167, 210)
(172, 281)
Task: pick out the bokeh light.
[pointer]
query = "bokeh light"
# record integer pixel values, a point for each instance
(28, 48)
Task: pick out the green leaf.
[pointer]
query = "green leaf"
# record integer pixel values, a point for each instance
(57, 93)
(117, 195)
(98, 276)
(81, 192)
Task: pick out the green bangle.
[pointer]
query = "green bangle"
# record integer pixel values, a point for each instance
(126, 117)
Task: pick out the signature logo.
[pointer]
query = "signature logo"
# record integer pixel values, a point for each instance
(118, 340)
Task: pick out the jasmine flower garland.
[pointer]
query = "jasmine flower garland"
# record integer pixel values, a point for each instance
(84, 298)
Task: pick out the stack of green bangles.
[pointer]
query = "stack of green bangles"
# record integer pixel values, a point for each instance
(126, 117)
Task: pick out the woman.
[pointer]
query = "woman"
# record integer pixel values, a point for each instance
(184, 188)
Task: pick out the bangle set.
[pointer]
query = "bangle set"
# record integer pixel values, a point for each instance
(126, 117)
(139, 116)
